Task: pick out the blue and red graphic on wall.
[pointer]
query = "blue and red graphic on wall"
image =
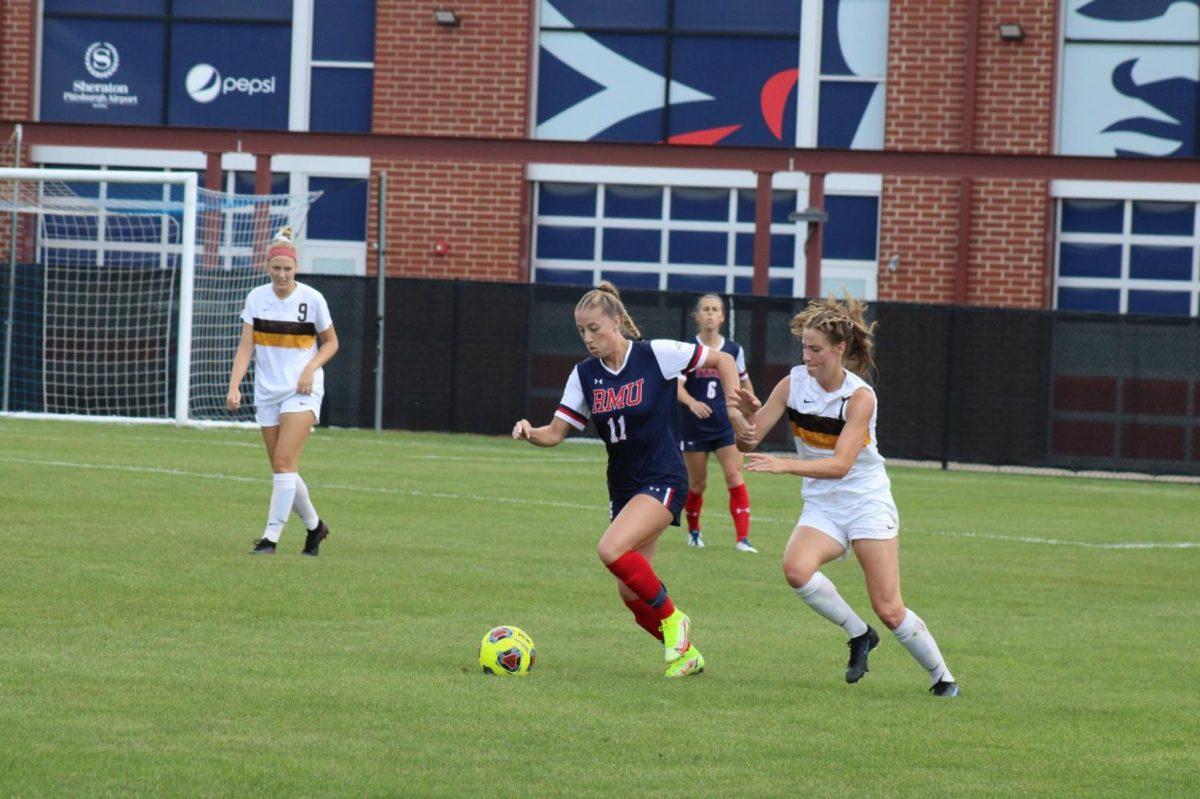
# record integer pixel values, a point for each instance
(720, 74)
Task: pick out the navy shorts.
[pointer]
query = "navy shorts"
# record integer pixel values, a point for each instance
(671, 496)
(707, 444)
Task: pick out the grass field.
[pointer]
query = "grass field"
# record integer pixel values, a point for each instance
(143, 652)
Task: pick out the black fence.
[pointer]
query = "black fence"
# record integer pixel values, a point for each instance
(956, 384)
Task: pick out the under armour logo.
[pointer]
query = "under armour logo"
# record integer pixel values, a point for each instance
(597, 381)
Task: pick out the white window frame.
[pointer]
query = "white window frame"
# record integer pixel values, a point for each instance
(839, 184)
(1128, 193)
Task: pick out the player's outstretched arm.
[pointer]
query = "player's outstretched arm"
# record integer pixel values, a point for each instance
(550, 435)
(850, 442)
(765, 417)
(727, 369)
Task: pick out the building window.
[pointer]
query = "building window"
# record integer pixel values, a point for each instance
(713, 72)
(1128, 256)
(694, 238)
(209, 63)
(1130, 74)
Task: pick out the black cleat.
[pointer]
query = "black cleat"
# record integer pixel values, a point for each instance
(860, 647)
(312, 542)
(942, 688)
(263, 547)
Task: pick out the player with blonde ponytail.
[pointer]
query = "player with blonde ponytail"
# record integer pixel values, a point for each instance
(627, 388)
(287, 330)
(847, 495)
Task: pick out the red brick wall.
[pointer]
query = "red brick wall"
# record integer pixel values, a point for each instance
(474, 208)
(1014, 96)
(466, 81)
(1008, 242)
(16, 47)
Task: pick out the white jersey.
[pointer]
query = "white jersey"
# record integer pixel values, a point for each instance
(285, 339)
(817, 417)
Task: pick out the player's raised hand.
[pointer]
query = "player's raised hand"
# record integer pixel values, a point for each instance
(744, 401)
(233, 400)
(523, 431)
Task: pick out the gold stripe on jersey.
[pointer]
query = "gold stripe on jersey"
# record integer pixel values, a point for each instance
(289, 335)
(818, 431)
(286, 340)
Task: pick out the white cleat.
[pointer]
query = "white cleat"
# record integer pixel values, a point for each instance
(694, 539)
(744, 545)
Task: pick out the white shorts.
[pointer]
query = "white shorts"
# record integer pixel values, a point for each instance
(268, 415)
(874, 518)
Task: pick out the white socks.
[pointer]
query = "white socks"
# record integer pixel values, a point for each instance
(821, 595)
(283, 496)
(915, 637)
(304, 507)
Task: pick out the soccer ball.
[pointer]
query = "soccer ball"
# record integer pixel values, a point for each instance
(506, 650)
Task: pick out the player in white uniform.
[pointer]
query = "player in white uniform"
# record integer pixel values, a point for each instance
(282, 324)
(847, 494)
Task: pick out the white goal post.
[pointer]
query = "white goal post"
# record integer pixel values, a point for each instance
(121, 291)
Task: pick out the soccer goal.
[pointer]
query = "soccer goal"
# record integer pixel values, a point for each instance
(121, 291)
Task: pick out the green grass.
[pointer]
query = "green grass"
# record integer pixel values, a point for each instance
(142, 652)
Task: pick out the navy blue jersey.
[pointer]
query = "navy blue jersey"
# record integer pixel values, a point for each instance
(705, 386)
(634, 409)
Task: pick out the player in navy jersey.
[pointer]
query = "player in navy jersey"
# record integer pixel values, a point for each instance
(706, 428)
(628, 388)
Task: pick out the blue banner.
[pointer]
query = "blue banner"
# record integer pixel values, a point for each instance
(102, 71)
(234, 76)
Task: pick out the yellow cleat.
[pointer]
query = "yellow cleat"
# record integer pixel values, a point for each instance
(690, 663)
(677, 635)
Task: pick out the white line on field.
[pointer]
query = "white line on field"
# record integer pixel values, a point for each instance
(411, 492)
(1027, 539)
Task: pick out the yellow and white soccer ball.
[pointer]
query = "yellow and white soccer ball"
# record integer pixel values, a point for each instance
(506, 650)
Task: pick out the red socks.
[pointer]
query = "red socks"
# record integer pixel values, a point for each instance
(692, 510)
(635, 571)
(739, 509)
(645, 616)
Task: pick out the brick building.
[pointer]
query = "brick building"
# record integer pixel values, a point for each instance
(1020, 76)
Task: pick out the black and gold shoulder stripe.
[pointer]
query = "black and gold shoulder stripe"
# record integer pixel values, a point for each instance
(817, 431)
(292, 335)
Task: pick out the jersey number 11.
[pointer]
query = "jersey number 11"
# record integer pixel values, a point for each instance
(616, 429)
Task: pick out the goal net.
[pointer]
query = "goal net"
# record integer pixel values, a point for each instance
(122, 291)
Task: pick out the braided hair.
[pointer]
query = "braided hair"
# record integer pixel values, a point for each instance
(841, 321)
